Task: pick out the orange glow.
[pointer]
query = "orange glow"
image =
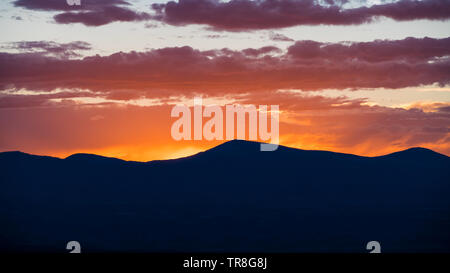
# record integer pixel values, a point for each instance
(143, 133)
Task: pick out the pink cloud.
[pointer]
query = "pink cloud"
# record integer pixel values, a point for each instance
(307, 65)
(239, 15)
(89, 13)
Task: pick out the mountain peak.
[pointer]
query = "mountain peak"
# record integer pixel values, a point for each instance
(91, 158)
(238, 147)
(13, 153)
(416, 152)
(237, 144)
(18, 155)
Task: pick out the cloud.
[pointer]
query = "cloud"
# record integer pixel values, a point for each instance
(12, 100)
(89, 13)
(345, 125)
(408, 50)
(101, 17)
(306, 65)
(251, 52)
(279, 37)
(429, 106)
(58, 5)
(241, 15)
(214, 36)
(47, 48)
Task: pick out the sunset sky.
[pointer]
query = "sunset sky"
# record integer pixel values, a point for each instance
(353, 76)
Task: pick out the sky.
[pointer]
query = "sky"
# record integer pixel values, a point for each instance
(361, 77)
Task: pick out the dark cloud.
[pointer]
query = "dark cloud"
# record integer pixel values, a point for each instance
(214, 36)
(89, 13)
(150, 25)
(12, 100)
(239, 15)
(307, 65)
(61, 5)
(279, 37)
(100, 17)
(409, 49)
(252, 52)
(61, 50)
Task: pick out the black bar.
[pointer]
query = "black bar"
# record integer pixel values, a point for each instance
(228, 262)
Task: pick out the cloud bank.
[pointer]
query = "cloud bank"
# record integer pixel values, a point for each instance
(89, 13)
(242, 15)
(307, 65)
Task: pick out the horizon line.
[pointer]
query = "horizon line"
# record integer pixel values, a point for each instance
(225, 142)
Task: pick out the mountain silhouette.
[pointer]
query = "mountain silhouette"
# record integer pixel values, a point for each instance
(231, 198)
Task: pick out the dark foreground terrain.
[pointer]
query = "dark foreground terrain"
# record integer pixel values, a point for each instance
(232, 198)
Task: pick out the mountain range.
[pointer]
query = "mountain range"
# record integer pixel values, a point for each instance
(231, 198)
